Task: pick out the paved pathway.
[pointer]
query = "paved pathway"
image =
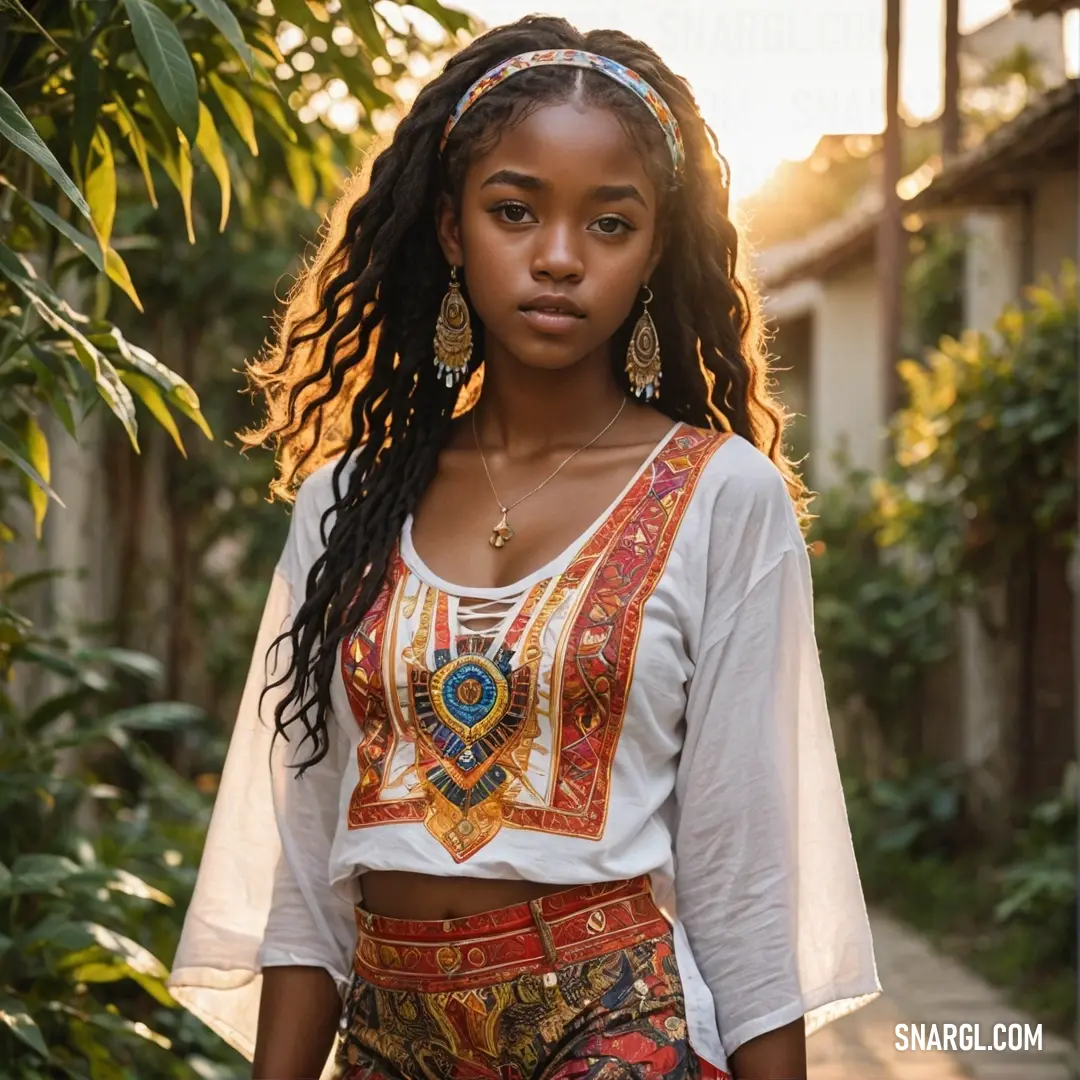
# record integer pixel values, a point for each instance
(922, 986)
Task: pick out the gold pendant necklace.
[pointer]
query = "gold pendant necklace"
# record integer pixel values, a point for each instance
(503, 533)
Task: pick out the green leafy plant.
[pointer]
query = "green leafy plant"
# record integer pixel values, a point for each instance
(934, 286)
(86, 911)
(915, 814)
(882, 614)
(984, 476)
(134, 89)
(122, 123)
(985, 463)
(1040, 885)
(992, 425)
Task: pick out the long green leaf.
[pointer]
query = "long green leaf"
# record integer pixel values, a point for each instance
(20, 132)
(219, 13)
(123, 881)
(268, 45)
(100, 186)
(88, 245)
(295, 11)
(151, 397)
(118, 397)
(171, 71)
(87, 94)
(162, 137)
(322, 158)
(21, 1024)
(143, 362)
(177, 390)
(361, 16)
(447, 17)
(139, 958)
(101, 194)
(20, 271)
(268, 102)
(155, 716)
(115, 394)
(40, 872)
(145, 668)
(119, 274)
(137, 141)
(121, 1025)
(186, 177)
(187, 402)
(54, 386)
(209, 144)
(237, 110)
(15, 450)
(304, 181)
(38, 454)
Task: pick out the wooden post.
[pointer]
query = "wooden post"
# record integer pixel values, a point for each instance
(890, 229)
(950, 116)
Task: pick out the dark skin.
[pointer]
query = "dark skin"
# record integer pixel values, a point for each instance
(561, 206)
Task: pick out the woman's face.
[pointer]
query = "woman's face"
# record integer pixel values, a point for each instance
(556, 234)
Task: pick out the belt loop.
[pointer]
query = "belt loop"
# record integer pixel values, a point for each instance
(544, 931)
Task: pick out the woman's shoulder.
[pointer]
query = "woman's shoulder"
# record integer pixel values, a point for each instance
(315, 495)
(737, 471)
(744, 496)
(309, 526)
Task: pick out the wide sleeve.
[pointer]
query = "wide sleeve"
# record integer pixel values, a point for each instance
(262, 895)
(767, 885)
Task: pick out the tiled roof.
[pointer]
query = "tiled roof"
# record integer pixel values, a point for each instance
(1044, 7)
(1049, 128)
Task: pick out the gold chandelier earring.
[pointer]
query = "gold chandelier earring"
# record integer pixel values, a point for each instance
(643, 355)
(453, 334)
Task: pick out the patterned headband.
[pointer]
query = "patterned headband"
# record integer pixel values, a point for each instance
(575, 58)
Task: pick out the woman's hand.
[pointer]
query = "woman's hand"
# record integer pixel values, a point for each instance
(298, 1018)
(776, 1055)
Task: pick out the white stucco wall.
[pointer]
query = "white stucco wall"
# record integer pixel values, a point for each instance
(992, 268)
(848, 389)
(847, 384)
(995, 271)
(1056, 222)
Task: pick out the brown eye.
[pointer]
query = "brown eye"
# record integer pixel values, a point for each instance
(610, 225)
(514, 213)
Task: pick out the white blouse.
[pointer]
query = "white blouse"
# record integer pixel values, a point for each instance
(649, 702)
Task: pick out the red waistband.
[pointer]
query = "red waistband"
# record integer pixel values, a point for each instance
(566, 927)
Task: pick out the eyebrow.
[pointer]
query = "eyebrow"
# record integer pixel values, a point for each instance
(516, 179)
(617, 192)
(603, 193)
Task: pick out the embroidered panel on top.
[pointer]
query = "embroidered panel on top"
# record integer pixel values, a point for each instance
(468, 733)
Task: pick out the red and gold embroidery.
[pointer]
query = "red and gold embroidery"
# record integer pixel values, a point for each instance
(468, 723)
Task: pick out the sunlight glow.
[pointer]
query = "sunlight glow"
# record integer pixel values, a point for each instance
(290, 37)
(772, 76)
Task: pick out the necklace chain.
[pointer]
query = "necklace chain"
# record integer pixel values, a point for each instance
(503, 529)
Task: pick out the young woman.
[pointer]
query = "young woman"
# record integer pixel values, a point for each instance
(552, 790)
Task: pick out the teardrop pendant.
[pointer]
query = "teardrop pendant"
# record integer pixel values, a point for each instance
(643, 356)
(453, 335)
(502, 534)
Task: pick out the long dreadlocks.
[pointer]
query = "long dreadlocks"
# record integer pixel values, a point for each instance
(351, 371)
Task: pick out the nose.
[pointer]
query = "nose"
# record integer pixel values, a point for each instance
(557, 255)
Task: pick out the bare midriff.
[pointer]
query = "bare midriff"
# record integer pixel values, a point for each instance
(400, 895)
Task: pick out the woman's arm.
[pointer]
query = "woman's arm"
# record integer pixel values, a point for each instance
(777, 1055)
(298, 1018)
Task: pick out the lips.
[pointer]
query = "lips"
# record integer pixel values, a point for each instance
(555, 305)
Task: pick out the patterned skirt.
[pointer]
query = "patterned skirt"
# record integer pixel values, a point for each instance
(581, 983)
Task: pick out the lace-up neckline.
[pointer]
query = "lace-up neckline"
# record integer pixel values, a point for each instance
(476, 596)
